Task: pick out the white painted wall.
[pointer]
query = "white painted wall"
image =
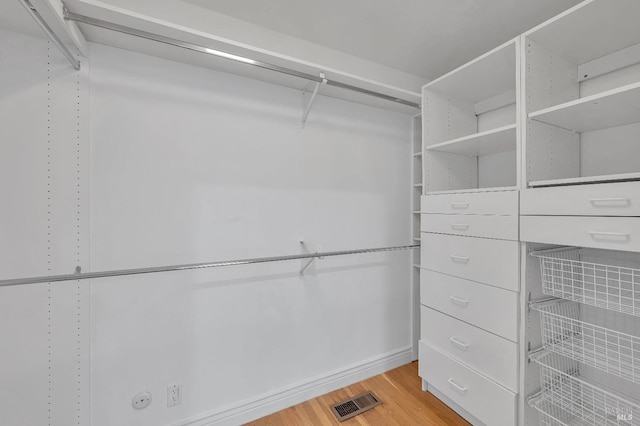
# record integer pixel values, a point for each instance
(190, 165)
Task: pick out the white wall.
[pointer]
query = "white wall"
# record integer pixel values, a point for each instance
(190, 165)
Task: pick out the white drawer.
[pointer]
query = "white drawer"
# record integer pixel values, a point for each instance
(486, 400)
(490, 308)
(610, 199)
(614, 233)
(495, 203)
(493, 262)
(491, 355)
(499, 227)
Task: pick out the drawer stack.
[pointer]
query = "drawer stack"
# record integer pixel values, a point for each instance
(469, 302)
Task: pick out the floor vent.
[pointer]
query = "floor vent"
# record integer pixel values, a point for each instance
(353, 406)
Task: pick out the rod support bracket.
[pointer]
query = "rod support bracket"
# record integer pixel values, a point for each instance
(307, 108)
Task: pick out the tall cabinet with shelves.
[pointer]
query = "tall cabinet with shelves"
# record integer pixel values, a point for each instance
(580, 217)
(469, 278)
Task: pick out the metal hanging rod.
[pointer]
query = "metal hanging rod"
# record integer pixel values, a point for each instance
(186, 267)
(49, 32)
(70, 16)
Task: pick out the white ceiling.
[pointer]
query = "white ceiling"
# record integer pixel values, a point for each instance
(422, 37)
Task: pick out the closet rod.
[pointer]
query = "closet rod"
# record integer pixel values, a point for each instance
(206, 265)
(49, 32)
(70, 16)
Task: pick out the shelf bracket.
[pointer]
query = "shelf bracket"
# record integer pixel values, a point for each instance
(50, 33)
(310, 261)
(307, 108)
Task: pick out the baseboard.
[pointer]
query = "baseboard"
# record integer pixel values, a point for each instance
(285, 397)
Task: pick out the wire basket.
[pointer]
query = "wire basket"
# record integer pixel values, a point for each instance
(605, 349)
(567, 398)
(552, 415)
(603, 278)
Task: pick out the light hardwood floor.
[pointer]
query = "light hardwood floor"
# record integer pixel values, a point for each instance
(404, 404)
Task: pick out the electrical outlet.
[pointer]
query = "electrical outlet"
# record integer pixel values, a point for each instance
(141, 400)
(174, 394)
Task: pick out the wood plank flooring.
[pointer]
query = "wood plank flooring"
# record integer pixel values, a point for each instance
(404, 404)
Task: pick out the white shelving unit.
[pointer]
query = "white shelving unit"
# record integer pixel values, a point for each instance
(471, 137)
(580, 307)
(416, 192)
(470, 124)
(582, 96)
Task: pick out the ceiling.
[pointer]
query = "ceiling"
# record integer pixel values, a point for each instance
(426, 38)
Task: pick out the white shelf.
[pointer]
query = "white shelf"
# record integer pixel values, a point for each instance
(474, 190)
(586, 180)
(417, 239)
(489, 75)
(493, 141)
(415, 265)
(417, 212)
(576, 36)
(612, 108)
(213, 40)
(417, 185)
(417, 154)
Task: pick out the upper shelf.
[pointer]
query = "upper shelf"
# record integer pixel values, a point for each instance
(612, 108)
(590, 30)
(371, 79)
(502, 139)
(489, 75)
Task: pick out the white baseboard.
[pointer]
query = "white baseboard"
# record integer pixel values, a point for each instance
(285, 397)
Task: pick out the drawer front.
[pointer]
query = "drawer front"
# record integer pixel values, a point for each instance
(486, 400)
(613, 233)
(611, 199)
(498, 227)
(493, 262)
(489, 308)
(493, 356)
(493, 203)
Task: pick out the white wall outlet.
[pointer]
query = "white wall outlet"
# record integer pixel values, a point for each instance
(141, 400)
(174, 394)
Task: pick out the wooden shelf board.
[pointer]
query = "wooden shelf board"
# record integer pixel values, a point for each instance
(612, 108)
(586, 180)
(492, 141)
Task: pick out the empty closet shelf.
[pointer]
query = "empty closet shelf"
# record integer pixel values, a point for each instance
(570, 398)
(565, 333)
(603, 278)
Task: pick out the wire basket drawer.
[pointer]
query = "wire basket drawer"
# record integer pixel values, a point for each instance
(603, 278)
(567, 398)
(608, 350)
